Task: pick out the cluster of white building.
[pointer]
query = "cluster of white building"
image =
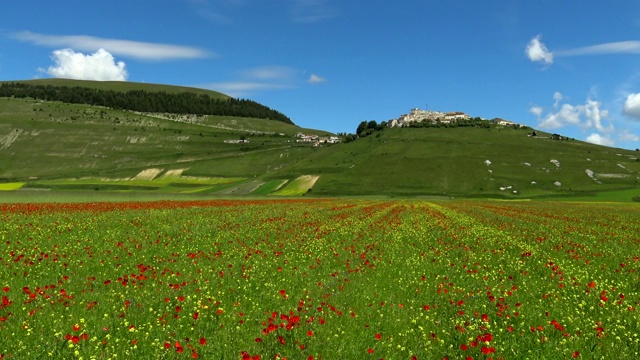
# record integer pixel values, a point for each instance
(316, 140)
(418, 115)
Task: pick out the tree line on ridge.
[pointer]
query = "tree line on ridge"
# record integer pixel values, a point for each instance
(144, 101)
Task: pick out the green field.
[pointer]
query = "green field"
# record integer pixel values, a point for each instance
(320, 279)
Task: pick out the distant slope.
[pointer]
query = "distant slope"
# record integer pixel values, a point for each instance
(53, 140)
(140, 97)
(500, 162)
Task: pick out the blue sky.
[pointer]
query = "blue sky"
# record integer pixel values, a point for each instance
(571, 67)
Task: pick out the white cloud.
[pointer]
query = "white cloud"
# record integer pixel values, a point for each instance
(632, 105)
(315, 79)
(598, 139)
(270, 72)
(594, 115)
(557, 97)
(536, 110)
(589, 115)
(262, 78)
(567, 115)
(537, 51)
(620, 47)
(135, 49)
(243, 88)
(97, 66)
(270, 77)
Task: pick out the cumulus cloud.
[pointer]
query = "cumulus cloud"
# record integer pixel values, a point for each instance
(127, 48)
(632, 106)
(594, 115)
(537, 51)
(589, 115)
(598, 139)
(536, 110)
(315, 79)
(97, 66)
(567, 115)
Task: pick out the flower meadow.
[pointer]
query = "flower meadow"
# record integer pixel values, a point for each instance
(319, 279)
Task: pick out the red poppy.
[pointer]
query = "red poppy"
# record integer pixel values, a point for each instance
(203, 341)
(378, 336)
(487, 350)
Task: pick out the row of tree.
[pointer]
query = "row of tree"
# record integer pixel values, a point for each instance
(473, 122)
(367, 128)
(144, 101)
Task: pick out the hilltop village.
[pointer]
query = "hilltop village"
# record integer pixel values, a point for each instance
(418, 116)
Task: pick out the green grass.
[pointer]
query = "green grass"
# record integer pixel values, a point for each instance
(451, 162)
(269, 187)
(298, 186)
(49, 140)
(607, 196)
(11, 186)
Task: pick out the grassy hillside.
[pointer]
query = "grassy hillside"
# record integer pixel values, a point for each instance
(468, 162)
(42, 141)
(59, 146)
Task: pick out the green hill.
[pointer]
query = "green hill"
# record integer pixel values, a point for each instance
(500, 161)
(56, 145)
(139, 97)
